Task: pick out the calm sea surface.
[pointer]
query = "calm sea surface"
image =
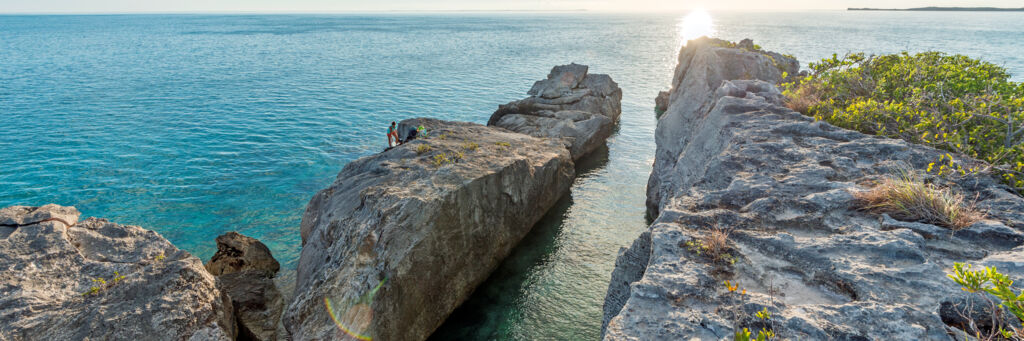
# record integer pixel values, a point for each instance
(194, 125)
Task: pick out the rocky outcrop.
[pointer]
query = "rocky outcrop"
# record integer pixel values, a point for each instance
(401, 238)
(729, 157)
(703, 64)
(245, 269)
(579, 108)
(236, 252)
(65, 279)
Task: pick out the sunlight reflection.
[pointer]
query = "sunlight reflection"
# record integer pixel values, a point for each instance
(695, 24)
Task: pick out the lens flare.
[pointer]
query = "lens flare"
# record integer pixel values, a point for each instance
(696, 24)
(354, 319)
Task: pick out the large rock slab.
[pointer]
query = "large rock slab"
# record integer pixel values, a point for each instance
(50, 262)
(578, 108)
(401, 238)
(245, 269)
(703, 64)
(730, 157)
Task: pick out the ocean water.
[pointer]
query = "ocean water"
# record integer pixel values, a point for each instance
(193, 125)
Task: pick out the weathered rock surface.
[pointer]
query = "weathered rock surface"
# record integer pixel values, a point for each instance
(579, 108)
(237, 252)
(50, 261)
(424, 223)
(730, 157)
(245, 269)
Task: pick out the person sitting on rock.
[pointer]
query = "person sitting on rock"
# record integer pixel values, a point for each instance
(393, 134)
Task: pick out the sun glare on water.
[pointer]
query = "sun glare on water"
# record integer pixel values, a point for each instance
(696, 24)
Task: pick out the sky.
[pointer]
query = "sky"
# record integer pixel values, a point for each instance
(309, 6)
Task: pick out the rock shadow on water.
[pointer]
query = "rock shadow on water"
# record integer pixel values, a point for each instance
(491, 312)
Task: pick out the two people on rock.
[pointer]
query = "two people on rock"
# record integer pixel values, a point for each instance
(393, 135)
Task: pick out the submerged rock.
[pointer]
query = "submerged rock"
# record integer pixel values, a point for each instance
(64, 279)
(579, 108)
(730, 157)
(245, 269)
(401, 238)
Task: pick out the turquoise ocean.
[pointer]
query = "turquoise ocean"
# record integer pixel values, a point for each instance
(193, 125)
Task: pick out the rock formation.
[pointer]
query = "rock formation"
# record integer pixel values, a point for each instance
(401, 238)
(579, 108)
(65, 279)
(245, 269)
(729, 157)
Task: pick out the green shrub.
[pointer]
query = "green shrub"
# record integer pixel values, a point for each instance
(471, 146)
(990, 281)
(423, 148)
(950, 102)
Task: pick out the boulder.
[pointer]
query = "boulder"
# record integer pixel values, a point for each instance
(578, 108)
(245, 269)
(236, 252)
(730, 157)
(401, 238)
(65, 279)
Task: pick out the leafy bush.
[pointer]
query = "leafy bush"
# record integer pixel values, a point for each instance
(423, 148)
(988, 280)
(950, 102)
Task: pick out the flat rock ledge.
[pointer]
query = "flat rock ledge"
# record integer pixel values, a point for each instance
(401, 238)
(578, 108)
(730, 157)
(65, 279)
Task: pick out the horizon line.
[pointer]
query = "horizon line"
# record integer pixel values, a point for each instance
(271, 12)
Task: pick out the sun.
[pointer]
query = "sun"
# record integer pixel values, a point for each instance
(696, 24)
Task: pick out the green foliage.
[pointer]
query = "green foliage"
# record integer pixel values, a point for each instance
(447, 158)
(423, 148)
(762, 335)
(991, 281)
(763, 314)
(503, 144)
(159, 257)
(950, 102)
(101, 284)
(470, 146)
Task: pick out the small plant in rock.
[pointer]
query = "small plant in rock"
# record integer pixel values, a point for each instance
(470, 146)
(503, 144)
(100, 284)
(159, 257)
(908, 197)
(714, 244)
(422, 149)
(989, 280)
(442, 159)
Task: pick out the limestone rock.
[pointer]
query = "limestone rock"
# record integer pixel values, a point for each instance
(245, 269)
(257, 303)
(578, 108)
(730, 157)
(236, 252)
(401, 238)
(50, 262)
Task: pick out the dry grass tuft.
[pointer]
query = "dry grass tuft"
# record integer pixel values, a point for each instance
(907, 197)
(716, 242)
(713, 244)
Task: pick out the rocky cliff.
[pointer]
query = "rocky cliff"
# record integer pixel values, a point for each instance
(65, 279)
(731, 159)
(401, 238)
(576, 107)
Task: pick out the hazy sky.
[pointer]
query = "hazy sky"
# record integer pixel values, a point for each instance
(118, 6)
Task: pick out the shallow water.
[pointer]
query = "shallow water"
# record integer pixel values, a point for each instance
(194, 125)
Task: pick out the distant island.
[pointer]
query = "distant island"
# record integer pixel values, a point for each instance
(943, 9)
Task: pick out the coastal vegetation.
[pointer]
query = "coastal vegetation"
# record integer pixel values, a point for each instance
(906, 196)
(950, 102)
(989, 280)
